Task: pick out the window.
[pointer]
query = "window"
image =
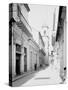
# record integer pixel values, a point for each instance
(18, 47)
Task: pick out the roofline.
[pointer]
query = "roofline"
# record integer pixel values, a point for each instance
(41, 38)
(34, 42)
(27, 7)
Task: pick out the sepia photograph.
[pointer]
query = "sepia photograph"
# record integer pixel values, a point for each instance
(37, 44)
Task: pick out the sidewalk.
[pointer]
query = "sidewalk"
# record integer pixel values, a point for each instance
(22, 75)
(48, 76)
(20, 80)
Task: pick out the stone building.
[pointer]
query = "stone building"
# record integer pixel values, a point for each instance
(42, 54)
(60, 43)
(34, 54)
(55, 23)
(47, 42)
(23, 50)
(54, 31)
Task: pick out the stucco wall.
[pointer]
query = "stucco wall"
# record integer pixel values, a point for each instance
(35, 54)
(21, 38)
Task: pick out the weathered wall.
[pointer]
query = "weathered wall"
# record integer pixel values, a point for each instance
(34, 51)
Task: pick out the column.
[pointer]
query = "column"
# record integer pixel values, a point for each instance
(28, 58)
(13, 60)
(22, 60)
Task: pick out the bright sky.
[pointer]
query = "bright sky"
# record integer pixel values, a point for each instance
(40, 15)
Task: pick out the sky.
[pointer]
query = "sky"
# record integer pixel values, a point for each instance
(41, 15)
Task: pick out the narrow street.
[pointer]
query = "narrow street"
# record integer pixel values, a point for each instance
(37, 45)
(45, 77)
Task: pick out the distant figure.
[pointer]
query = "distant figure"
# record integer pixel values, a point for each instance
(35, 66)
(64, 74)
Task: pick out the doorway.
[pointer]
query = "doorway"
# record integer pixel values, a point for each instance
(18, 63)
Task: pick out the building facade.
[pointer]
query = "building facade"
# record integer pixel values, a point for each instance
(47, 42)
(61, 41)
(34, 55)
(23, 50)
(42, 53)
